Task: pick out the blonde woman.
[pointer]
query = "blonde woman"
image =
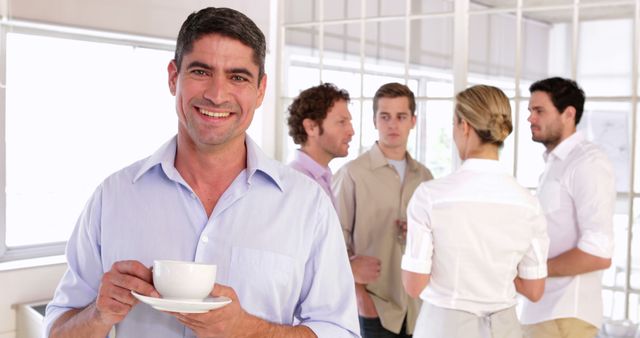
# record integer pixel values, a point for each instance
(475, 237)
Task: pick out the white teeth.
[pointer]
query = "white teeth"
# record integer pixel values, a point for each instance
(214, 114)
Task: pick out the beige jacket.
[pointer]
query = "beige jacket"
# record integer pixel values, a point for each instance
(369, 199)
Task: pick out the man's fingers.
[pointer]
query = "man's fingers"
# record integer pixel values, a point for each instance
(220, 290)
(129, 282)
(134, 268)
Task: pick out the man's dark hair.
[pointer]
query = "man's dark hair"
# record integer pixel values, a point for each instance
(563, 93)
(226, 22)
(393, 90)
(314, 104)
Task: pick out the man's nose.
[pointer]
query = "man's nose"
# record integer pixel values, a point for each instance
(217, 91)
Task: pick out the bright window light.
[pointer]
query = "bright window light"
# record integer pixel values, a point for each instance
(76, 111)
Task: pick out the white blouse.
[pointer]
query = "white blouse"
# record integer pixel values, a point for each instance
(474, 231)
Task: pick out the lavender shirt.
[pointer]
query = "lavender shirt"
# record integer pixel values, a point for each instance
(308, 166)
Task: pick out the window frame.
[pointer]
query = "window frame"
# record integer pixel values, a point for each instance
(462, 11)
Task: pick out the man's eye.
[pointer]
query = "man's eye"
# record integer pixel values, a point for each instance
(238, 78)
(199, 72)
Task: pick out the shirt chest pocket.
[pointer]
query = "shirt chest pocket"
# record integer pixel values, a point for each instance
(264, 280)
(554, 197)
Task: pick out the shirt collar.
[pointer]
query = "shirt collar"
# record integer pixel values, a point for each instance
(378, 160)
(562, 150)
(482, 165)
(257, 161)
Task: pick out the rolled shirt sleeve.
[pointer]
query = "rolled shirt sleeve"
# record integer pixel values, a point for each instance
(328, 302)
(534, 263)
(593, 190)
(79, 285)
(419, 248)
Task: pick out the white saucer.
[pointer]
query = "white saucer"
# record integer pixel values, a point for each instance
(183, 306)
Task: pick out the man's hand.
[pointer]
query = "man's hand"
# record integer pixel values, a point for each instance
(401, 225)
(114, 299)
(233, 321)
(228, 321)
(365, 269)
(366, 307)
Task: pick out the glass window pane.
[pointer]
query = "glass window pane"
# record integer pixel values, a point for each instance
(354, 146)
(597, 27)
(342, 57)
(371, 83)
(436, 139)
(385, 8)
(607, 125)
(341, 9)
(431, 56)
(530, 162)
(492, 52)
(343, 40)
(384, 48)
(546, 46)
(545, 3)
(615, 275)
(613, 304)
(289, 146)
(300, 11)
(492, 4)
(507, 151)
(431, 6)
(302, 55)
(90, 119)
(369, 132)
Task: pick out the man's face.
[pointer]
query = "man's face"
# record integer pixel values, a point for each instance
(547, 123)
(337, 131)
(394, 121)
(216, 90)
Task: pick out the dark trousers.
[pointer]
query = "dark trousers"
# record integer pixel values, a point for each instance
(372, 328)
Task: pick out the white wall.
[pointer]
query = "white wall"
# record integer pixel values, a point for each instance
(24, 286)
(156, 18)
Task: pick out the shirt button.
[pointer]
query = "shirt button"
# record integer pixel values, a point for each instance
(205, 239)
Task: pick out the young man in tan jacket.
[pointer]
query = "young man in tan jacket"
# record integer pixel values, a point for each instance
(372, 193)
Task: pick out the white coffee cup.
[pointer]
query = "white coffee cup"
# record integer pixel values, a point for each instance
(183, 280)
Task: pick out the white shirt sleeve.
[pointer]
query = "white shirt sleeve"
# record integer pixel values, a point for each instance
(419, 249)
(593, 190)
(534, 263)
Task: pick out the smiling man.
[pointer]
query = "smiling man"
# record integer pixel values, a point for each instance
(209, 195)
(372, 194)
(577, 194)
(320, 122)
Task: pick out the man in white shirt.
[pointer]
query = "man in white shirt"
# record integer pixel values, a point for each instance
(320, 122)
(577, 194)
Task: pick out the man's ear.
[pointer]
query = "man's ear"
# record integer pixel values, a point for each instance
(570, 113)
(172, 70)
(310, 127)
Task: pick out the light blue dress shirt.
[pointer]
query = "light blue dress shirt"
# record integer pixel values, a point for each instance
(273, 234)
